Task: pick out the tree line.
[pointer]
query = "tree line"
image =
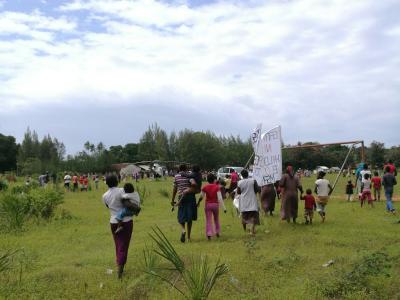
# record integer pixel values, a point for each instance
(34, 156)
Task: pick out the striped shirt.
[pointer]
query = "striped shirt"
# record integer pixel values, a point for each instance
(181, 183)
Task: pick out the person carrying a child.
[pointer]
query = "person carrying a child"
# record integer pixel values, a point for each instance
(323, 190)
(349, 190)
(187, 206)
(113, 201)
(309, 205)
(377, 186)
(214, 201)
(131, 205)
(366, 190)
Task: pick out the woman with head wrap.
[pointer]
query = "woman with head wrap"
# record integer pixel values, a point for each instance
(290, 183)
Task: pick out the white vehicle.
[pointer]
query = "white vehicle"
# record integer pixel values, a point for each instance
(222, 172)
(334, 170)
(321, 168)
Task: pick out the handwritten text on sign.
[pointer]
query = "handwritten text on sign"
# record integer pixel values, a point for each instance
(267, 167)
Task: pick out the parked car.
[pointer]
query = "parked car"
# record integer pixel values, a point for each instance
(334, 170)
(321, 168)
(223, 171)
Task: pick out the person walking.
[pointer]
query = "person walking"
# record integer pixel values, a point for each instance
(248, 204)
(214, 201)
(113, 201)
(290, 184)
(187, 206)
(388, 182)
(268, 195)
(323, 189)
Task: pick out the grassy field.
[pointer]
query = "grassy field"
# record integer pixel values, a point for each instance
(68, 258)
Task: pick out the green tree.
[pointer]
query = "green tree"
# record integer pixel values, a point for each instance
(376, 154)
(131, 151)
(8, 153)
(202, 148)
(393, 154)
(153, 144)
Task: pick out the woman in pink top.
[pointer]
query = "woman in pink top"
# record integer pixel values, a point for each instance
(213, 196)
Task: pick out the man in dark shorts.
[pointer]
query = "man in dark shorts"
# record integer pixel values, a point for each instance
(187, 206)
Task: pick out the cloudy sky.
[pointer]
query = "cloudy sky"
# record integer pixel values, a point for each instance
(104, 70)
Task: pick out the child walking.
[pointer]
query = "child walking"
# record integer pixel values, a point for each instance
(214, 200)
(366, 190)
(377, 186)
(349, 190)
(131, 202)
(309, 204)
(323, 190)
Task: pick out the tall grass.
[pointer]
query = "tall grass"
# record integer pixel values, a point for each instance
(199, 277)
(164, 193)
(143, 192)
(359, 278)
(6, 260)
(21, 203)
(14, 210)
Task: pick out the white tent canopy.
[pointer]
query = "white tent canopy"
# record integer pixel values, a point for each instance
(129, 170)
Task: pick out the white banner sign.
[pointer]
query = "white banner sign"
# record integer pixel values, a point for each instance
(267, 167)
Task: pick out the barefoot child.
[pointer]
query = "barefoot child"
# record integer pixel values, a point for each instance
(377, 186)
(213, 201)
(131, 203)
(366, 190)
(349, 190)
(323, 190)
(309, 204)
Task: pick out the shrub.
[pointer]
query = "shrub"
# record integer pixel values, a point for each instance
(3, 185)
(14, 209)
(44, 202)
(22, 202)
(198, 276)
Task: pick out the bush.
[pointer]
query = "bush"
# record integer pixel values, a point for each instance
(14, 209)
(199, 277)
(22, 202)
(3, 185)
(44, 202)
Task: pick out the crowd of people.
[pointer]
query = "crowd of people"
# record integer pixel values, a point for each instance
(124, 203)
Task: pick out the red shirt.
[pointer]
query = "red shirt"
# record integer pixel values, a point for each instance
(211, 191)
(234, 177)
(377, 181)
(309, 201)
(85, 181)
(392, 168)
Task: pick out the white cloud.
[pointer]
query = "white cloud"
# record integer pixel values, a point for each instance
(266, 60)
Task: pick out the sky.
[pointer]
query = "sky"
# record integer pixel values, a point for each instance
(104, 70)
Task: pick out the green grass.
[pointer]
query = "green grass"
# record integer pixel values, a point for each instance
(68, 257)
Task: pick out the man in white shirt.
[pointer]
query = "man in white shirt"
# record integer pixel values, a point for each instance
(67, 181)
